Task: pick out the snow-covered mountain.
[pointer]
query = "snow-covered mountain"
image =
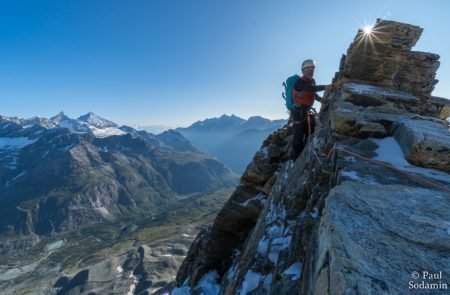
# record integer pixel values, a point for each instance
(40, 157)
(68, 179)
(96, 121)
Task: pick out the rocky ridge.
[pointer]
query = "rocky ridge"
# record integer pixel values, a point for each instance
(364, 206)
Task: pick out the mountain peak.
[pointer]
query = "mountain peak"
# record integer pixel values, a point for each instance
(59, 117)
(96, 121)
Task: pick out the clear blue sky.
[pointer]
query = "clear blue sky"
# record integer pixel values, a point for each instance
(174, 62)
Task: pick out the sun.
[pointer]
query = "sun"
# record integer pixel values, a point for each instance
(367, 29)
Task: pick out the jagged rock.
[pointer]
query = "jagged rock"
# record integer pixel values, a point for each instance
(388, 61)
(425, 143)
(274, 151)
(350, 215)
(350, 120)
(372, 129)
(259, 171)
(366, 95)
(417, 72)
(445, 113)
(372, 237)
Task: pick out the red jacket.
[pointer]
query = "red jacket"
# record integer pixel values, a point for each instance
(304, 91)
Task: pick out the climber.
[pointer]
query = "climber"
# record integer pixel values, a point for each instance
(303, 96)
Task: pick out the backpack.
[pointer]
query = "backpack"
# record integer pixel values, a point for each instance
(288, 87)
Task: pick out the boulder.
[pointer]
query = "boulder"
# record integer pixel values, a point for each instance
(424, 143)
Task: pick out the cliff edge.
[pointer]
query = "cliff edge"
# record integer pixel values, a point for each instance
(363, 210)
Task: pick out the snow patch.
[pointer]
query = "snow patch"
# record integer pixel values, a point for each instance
(315, 213)
(275, 212)
(295, 270)
(55, 245)
(277, 246)
(350, 159)
(231, 272)
(259, 197)
(374, 91)
(389, 151)
(106, 132)
(209, 283)
(263, 245)
(267, 282)
(133, 284)
(275, 231)
(353, 175)
(104, 212)
(251, 282)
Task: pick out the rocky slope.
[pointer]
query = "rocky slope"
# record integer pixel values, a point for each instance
(363, 210)
(76, 192)
(87, 170)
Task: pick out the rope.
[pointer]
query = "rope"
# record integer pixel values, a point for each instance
(308, 119)
(414, 177)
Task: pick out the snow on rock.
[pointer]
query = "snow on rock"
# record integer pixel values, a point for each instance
(55, 245)
(353, 175)
(379, 92)
(251, 282)
(185, 290)
(134, 281)
(260, 197)
(207, 285)
(96, 121)
(277, 246)
(109, 131)
(294, 271)
(390, 152)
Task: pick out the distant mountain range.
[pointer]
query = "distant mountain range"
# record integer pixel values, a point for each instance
(155, 129)
(231, 139)
(77, 194)
(60, 173)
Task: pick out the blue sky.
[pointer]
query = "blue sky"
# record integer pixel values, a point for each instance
(174, 62)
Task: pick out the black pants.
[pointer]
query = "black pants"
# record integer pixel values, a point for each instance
(300, 129)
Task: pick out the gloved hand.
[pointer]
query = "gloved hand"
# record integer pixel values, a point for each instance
(340, 82)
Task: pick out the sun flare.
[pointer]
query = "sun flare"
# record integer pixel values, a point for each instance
(367, 30)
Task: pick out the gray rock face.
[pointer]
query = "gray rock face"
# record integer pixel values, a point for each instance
(369, 234)
(363, 210)
(384, 58)
(214, 248)
(425, 143)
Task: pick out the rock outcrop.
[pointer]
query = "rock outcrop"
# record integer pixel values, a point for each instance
(363, 210)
